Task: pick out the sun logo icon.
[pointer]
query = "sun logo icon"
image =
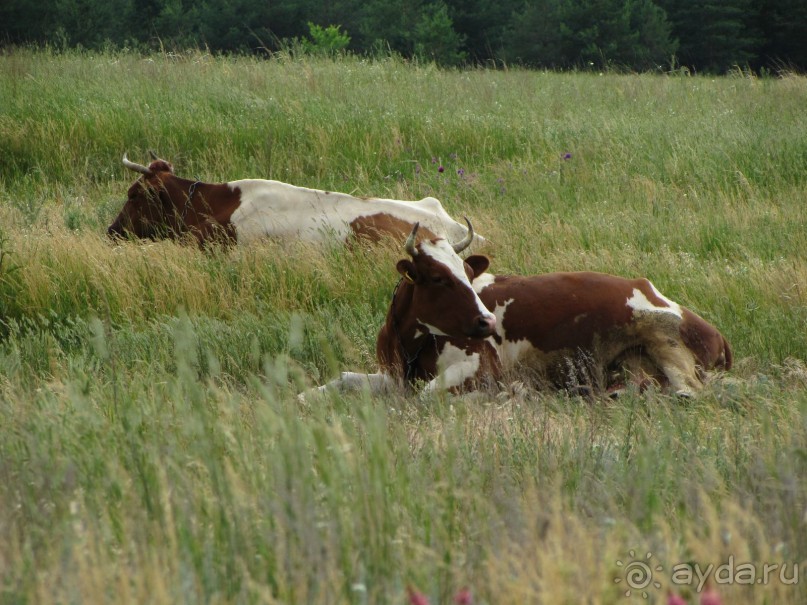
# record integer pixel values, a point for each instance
(638, 574)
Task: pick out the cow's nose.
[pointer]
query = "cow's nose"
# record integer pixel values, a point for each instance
(485, 325)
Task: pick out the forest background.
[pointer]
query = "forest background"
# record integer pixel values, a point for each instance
(707, 37)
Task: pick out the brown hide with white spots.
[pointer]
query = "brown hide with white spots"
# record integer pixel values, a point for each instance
(434, 302)
(161, 205)
(430, 309)
(574, 329)
(577, 331)
(584, 331)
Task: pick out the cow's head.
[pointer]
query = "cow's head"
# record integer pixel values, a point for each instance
(443, 300)
(150, 210)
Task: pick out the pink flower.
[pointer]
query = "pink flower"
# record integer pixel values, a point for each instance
(709, 596)
(440, 169)
(463, 597)
(674, 599)
(415, 597)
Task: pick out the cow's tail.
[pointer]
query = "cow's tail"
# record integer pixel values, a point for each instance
(728, 356)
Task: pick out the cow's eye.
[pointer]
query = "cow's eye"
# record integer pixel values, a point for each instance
(439, 280)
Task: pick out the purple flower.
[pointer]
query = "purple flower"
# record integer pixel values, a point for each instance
(461, 172)
(440, 168)
(567, 156)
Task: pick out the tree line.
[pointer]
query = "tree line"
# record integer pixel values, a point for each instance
(700, 35)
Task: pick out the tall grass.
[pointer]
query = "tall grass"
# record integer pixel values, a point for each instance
(152, 448)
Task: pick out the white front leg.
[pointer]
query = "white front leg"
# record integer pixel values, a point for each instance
(454, 367)
(376, 384)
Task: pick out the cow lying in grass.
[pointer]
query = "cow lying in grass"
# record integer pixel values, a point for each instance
(163, 205)
(453, 326)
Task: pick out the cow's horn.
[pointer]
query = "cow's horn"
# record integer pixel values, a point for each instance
(136, 167)
(410, 241)
(466, 241)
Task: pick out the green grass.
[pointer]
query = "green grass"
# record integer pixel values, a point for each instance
(152, 448)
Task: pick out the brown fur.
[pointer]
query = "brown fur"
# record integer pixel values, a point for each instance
(158, 206)
(378, 226)
(581, 333)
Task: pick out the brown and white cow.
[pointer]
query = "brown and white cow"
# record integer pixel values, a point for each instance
(163, 205)
(453, 326)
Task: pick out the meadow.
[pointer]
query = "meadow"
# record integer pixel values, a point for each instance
(153, 449)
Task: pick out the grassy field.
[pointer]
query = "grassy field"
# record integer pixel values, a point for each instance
(153, 450)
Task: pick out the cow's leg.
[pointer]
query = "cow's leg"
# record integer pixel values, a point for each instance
(378, 383)
(458, 368)
(455, 375)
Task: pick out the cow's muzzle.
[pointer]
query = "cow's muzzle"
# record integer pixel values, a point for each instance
(484, 326)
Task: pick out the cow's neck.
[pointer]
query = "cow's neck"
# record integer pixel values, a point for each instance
(409, 339)
(204, 211)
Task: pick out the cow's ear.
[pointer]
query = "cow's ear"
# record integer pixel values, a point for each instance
(161, 166)
(407, 270)
(478, 264)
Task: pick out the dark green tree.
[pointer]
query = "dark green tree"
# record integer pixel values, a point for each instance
(714, 36)
(783, 34)
(534, 36)
(391, 23)
(435, 38)
(591, 33)
(20, 24)
(230, 25)
(483, 25)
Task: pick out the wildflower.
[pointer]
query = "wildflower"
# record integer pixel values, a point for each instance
(461, 172)
(463, 597)
(415, 597)
(567, 156)
(674, 599)
(440, 168)
(710, 596)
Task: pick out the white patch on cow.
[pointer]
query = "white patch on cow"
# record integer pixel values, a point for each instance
(510, 351)
(673, 305)
(442, 252)
(639, 302)
(276, 209)
(483, 281)
(431, 330)
(454, 367)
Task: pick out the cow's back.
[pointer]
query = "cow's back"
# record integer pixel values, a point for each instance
(277, 209)
(565, 310)
(574, 326)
